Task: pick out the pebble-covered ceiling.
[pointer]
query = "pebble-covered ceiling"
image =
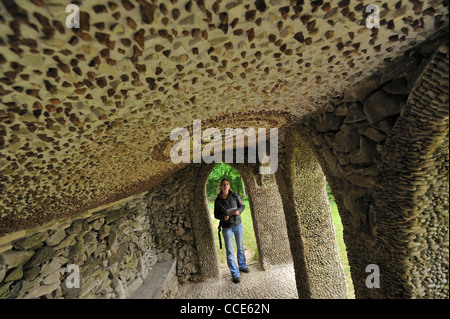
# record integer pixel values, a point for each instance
(86, 113)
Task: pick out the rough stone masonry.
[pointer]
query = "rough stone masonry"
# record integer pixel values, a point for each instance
(86, 114)
(114, 248)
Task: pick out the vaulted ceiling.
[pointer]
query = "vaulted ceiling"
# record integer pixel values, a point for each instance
(86, 113)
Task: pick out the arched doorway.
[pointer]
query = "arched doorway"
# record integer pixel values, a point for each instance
(220, 171)
(267, 216)
(339, 231)
(302, 183)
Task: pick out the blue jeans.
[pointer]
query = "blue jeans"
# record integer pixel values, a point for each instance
(238, 232)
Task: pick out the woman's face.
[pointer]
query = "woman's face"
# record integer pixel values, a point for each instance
(225, 186)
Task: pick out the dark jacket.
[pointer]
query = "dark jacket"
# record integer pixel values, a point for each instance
(232, 201)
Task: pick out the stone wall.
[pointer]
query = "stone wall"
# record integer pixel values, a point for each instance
(114, 248)
(384, 149)
(171, 223)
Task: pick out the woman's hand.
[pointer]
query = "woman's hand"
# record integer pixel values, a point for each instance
(237, 213)
(226, 217)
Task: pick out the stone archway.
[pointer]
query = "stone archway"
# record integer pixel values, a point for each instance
(270, 229)
(384, 150)
(268, 216)
(318, 270)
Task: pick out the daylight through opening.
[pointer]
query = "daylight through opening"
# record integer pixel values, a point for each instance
(219, 172)
(339, 231)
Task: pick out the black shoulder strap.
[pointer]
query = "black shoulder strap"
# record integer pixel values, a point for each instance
(220, 237)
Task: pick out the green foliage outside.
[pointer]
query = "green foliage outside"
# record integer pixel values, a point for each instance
(223, 170)
(341, 246)
(220, 171)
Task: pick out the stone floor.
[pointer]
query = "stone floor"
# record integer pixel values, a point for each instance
(275, 283)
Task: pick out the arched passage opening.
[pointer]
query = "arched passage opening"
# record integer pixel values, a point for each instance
(219, 172)
(302, 183)
(339, 231)
(267, 215)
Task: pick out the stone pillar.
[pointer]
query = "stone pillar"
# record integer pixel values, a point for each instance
(268, 216)
(318, 270)
(202, 224)
(384, 149)
(411, 198)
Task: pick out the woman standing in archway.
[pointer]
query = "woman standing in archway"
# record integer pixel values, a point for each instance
(228, 208)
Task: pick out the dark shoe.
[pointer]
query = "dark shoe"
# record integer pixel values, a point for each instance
(246, 270)
(236, 280)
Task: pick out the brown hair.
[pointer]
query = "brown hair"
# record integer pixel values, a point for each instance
(224, 179)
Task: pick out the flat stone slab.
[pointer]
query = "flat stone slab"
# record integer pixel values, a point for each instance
(160, 282)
